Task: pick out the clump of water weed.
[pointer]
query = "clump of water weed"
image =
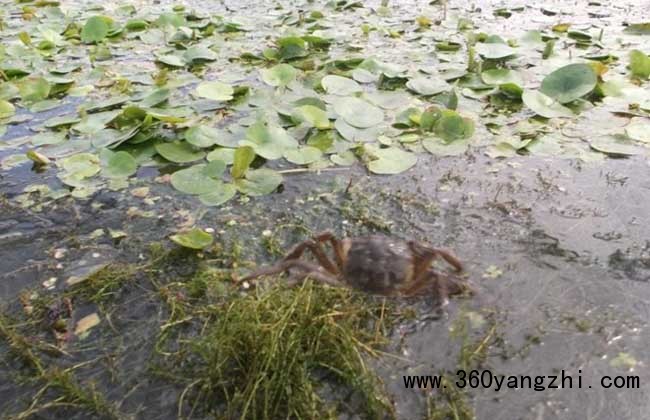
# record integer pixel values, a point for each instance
(267, 354)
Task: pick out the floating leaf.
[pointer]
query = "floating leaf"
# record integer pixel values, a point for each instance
(268, 140)
(358, 113)
(193, 239)
(427, 87)
(219, 195)
(202, 136)
(95, 29)
(199, 54)
(639, 64)
(195, 180)
(545, 106)
(501, 77)
(179, 152)
(6, 109)
(120, 165)
(639, 130)
(638, 28)
(280, 75)
(451, 126)
(495, 50)
(156, 97)
(615, 146)
(337, 85)
(391, 160)
(259, 182)
(303, 155)
(243, 158)
(34, 89)
(216, 91)
(439, 147)
(312, 115)
(81, 165)
(569, 83)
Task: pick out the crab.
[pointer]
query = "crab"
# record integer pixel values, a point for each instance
(375, 264)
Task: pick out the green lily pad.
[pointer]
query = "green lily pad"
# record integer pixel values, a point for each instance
(304, 155)
(223, 154)
(439, 147)
(193, 239)
(81, 165)
(391, 160)
(215, 91)
(268, 140)
(156, 97)
(199, 54)
(179, 152)
(219, 195)
(312, 115)
(120, 165)
(202, 136)
(544, 105)
(280, 75)
(6, 109)
(501, 77)
(451, 126)
(569, 83)
(171, 60)
(95, 29)
(34, 89)
(639, 64)
(495, 50)
(427, 87)
(242, 160)
(195, 180)
(337, 85)
(259, 182)
(358, 113)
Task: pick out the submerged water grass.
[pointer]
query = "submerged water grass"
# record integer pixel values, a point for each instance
(268, 355)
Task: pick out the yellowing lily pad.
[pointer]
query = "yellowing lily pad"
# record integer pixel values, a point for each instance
(215, 91)
(193, 239)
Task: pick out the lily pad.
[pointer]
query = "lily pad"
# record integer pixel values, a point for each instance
(216, 91)
(451, 126)
(259, 182)
(303, 155)
(95, 29)
(639, 130)
(311, 115)
(501, 77)
(179, 152)
(193, 239)
(569, 83)
(6, 109)
(427, 87)
(280, 75)
(544, 105)
(639, 64)
(202, 136)
(391, 160)
(195, 180)
(242, 160)
(337, 85)
(120, 165)
(495, 50)
(219, 195)
(358, 113)
(268, 140)
(34, 89)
